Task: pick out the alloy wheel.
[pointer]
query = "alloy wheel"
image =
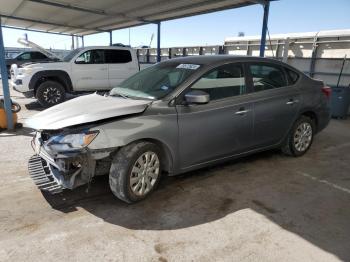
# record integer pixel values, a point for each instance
(303, 136)
(52, 95)
(144, 173)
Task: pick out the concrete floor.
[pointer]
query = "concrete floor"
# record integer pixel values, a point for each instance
(265, 207)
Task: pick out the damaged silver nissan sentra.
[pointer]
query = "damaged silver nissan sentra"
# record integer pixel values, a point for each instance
(173, 117)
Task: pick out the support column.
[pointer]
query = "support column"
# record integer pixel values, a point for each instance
(148, 55)
(110, 38)
(221, 50)
(82, 41)
(285, 50)
(313, 56)
(184, 53)
(264, 28)
(5, 83)
(72, 42)
(158, 42)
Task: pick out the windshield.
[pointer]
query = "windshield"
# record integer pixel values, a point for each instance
(71, 54)
(156, 81)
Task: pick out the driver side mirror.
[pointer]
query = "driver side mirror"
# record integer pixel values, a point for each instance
(197, 97)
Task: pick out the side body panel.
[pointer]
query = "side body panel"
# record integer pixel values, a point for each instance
(157, 123)
(90, 77)
(275, 111)
(214, 130)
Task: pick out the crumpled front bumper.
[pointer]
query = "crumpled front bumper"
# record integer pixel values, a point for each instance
(42, 175)
(55, 173)
(65, 170)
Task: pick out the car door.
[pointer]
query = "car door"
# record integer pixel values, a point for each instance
(223, 126)
(120, 66)
(90, 72)
(276, 103)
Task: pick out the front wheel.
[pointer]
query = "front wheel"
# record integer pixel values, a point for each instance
(50, 93)
(300, 137)
(135, 171)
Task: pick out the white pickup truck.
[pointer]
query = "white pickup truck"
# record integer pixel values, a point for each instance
(83, 69)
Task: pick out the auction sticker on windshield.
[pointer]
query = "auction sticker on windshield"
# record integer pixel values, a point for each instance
(188, 66)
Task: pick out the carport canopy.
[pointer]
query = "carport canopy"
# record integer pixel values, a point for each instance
(85, 17)
(77, 17)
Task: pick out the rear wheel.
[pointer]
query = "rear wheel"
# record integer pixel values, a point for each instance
(135, 171)
(300, 137)
(50, 93)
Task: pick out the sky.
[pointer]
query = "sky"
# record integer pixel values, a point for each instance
(286, 16)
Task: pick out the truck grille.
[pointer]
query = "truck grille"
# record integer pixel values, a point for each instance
(40, 172)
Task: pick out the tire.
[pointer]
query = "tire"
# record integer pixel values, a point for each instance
(125, 182)
(50, 93)
(298, 147)
(15, 107)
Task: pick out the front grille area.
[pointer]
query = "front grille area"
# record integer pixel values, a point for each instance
(45, 136)
(39, 171)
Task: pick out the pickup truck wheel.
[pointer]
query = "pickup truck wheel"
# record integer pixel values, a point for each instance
(135, 171)
(50, 93)
(300, 137)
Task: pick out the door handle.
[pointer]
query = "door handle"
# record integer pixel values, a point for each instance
(292, 102)
(241, 111)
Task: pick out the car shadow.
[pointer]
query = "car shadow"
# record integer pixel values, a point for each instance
(34, 106)
(289, 200)
(18, 131)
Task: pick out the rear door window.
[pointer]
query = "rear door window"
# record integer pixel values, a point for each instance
(266, 76)
(114, 56)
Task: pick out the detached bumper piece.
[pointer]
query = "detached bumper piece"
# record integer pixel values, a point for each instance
(40, 172)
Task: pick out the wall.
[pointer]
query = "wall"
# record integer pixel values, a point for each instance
(319, 54)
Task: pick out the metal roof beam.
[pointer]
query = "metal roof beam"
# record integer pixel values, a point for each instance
(183, 8)
(37, 31)
(51, 23)
(19, 6)
(71, 7)
(86, 10)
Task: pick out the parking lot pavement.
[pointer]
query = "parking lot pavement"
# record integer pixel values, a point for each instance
(265, 207)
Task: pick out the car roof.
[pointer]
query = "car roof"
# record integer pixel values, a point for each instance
(106, 47)
(213, 59)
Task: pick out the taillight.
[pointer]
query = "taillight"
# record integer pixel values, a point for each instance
(327, 91)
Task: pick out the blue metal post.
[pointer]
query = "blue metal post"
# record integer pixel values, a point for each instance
(5, 83)
(158, 42)
(264, 29)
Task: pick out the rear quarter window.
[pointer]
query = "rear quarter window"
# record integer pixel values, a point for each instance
(292, 76)
(267, 76)
(117, 56)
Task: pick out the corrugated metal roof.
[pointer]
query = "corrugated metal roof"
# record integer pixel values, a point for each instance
(82, 17)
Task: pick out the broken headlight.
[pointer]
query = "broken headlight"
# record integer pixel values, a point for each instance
(70, 142)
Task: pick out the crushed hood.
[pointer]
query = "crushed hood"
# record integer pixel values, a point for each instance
(85, 109)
